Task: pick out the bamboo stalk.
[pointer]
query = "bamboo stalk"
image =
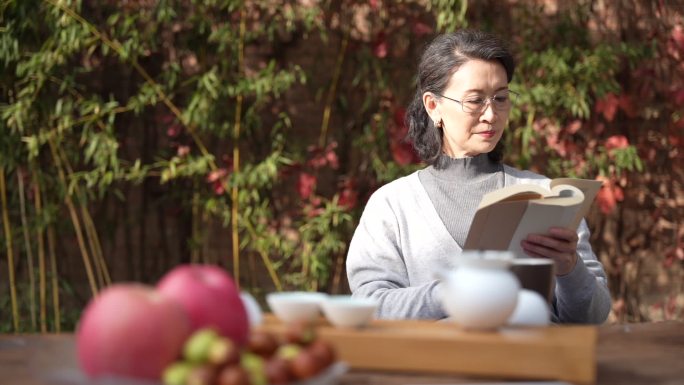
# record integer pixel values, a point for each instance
(206, 250)
(306, 252)
(74, 219)
(235, 195)
(97, 257)
(54, 279)
(332, 91)
(95, 244)
(90, 230)
(81, 244)
(252, 270)
(97, 269)
(236, 157)
(10, 255)
(338, 273)
(29, 249)
(195, 250)
(42, 273)
(264, 256)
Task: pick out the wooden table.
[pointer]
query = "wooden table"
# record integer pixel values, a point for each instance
(630, 354)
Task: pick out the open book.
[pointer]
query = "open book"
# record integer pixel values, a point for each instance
(506, 216)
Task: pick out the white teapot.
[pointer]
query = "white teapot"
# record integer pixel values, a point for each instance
(480, 292)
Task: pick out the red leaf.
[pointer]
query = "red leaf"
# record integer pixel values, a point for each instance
(626, 105)
(349, 195)
(398, 116)
(183, 151)
(331, 156)
(579, 163)
(403, 153)
(679, 124)
(306, 185)
(678, 97)
(606, 200)
(218, 187)
(173, 130)
(608, 106)
(671, 308)
(616, 141)
(380, 48)
(218, 179)
(552, 141)
(599, 128)
(420, 29)
(540, 125)
(618, 193)
(314, 212)
(216, 175)
(677, 37)
(165, 118)
(322, 157)
(574, 126)
(608, 196)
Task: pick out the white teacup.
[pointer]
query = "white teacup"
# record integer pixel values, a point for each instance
(296, 306)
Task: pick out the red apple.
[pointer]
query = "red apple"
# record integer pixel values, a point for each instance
(129, 330)
(210, 298)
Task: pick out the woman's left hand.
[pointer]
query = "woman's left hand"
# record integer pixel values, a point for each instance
(560, 244)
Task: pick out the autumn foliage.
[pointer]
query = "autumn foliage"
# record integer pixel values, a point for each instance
(137, 135)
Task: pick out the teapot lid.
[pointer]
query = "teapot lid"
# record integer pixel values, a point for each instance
(492, 259)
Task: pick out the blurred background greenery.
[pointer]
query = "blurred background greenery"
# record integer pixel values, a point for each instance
(140, 134)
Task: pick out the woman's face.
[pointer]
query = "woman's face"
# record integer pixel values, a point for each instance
(469, 127)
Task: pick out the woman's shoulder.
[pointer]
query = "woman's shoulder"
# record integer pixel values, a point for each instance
(397, 188)
(396, 193)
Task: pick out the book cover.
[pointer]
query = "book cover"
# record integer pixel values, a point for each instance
(506, 216)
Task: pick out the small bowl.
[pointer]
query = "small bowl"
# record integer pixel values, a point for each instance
(296, 306)
(345, 311)
(531, 310)
(254, 314)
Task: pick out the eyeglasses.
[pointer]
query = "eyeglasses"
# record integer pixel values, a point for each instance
(475, 105)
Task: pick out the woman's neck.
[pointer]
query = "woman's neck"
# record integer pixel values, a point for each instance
(465, 168)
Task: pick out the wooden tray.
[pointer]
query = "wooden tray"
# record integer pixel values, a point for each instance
(565, 353)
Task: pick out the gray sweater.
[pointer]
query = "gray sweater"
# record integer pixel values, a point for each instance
(466, 180)
(401, 239)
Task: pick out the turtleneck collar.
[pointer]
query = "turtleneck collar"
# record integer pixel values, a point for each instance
(464, 169)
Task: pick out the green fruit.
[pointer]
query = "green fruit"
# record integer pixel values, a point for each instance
(223, 352)
(288, 351)
(254, 365)
(177, 373)
(196, 349)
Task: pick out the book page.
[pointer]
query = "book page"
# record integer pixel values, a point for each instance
(514, 192)
(509, 215)
(539, 217)
(564, 194)
(493, 226)
(589, 189)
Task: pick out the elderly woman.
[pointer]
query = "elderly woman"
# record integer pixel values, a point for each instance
(419, 222)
